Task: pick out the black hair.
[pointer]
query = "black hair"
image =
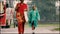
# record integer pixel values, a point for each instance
(7, 5)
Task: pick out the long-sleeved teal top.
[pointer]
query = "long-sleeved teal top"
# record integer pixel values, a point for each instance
(33, 15)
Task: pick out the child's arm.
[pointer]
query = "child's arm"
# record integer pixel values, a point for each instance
(38, 16)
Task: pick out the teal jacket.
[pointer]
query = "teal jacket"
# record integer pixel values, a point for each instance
(33, 15)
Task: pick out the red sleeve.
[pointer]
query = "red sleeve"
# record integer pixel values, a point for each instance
(25, 6)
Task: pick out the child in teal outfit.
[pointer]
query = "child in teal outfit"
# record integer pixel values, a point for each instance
(33, 16)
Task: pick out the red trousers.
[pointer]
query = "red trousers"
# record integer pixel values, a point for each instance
(20, 27)
(21, 22)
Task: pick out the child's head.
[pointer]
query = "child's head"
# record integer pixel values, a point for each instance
(34, 7)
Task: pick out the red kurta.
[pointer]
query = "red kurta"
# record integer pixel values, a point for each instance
(20, 9)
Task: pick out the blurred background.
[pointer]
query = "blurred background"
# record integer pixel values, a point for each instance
(48, 10)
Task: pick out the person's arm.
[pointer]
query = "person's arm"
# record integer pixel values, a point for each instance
(38, 16)
(16, 8)
(26, 7)
(1, 14)
(26, 13)
(17, 13)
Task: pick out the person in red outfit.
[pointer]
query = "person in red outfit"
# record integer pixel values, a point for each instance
(2, 14)
(20, 8)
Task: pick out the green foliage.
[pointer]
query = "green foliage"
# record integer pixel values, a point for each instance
(46, 8)
(57, 29)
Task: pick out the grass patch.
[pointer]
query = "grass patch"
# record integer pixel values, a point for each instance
(57, 29)
(44, 25)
